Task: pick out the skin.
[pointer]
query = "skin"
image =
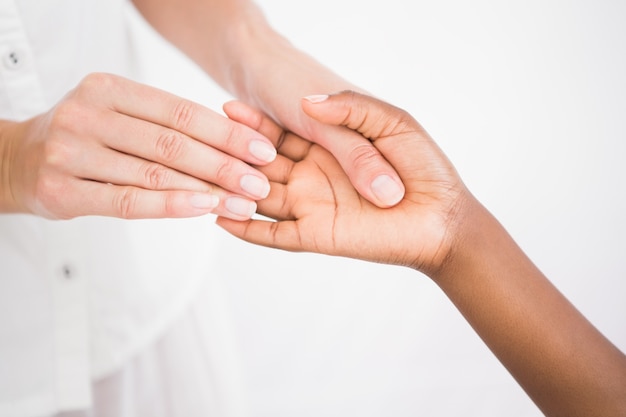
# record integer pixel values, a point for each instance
(117, 148)
(564, 364)
(232, 41)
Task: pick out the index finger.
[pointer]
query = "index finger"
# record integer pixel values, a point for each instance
(288, 144)
(194, 120)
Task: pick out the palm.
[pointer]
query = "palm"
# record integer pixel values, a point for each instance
(317, 209)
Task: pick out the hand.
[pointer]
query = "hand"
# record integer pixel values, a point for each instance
(113, 147)
(369, 172)
(255, 63)
(316, 207)
(565, 365)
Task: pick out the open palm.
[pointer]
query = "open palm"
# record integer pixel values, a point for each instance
(316, 208)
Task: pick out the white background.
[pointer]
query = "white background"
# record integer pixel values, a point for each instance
(528, 99)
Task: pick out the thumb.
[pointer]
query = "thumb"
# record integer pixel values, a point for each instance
(371, 117)
(398, 136)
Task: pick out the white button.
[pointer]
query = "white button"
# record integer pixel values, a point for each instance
(13, 59)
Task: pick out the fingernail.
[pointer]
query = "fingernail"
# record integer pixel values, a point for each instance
(254, 185)
(387, 190)
(240, 207)
(204, 201)
(262, 150)
(316, 98)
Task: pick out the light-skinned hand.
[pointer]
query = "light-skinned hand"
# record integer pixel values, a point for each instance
(114, 147)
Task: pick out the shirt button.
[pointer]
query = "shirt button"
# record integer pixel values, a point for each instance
(13, 60)
(67, 272)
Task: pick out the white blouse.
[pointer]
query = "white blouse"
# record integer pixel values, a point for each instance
(79, 297)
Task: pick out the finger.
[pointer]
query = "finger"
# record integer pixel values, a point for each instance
(128, 202)
(369, 172)
(397, 135)
(367, 115)
(165, 109)
(279, 235)
(173, 149)
(279, 170)
(255, 119)
(109, 166)
(276, 204)
(286, 143)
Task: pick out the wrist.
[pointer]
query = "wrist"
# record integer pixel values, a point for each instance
(269, 73)
(8, 201)
(247, 42)
(472, 236)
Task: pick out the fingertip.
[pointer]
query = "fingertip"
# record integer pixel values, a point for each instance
(388, 190)
(316, 98)
(239, 208)
(263, 150)
(233, 227)
(227, 105)
(335, 109)
(239, 111)
(225, 223)
(311, 104)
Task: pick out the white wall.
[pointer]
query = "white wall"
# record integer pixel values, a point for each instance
(528, 99)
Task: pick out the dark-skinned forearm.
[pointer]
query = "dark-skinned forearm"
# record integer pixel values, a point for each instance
(562, 361)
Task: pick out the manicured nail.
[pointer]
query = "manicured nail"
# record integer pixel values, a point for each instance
(262, 150)
(387, 190)
(316, 98)
(255, 186)
(240, 207)
(204, 201)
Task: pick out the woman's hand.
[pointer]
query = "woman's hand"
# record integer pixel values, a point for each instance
(317, 209)
(113, 147)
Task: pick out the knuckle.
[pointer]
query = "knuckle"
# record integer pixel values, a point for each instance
(170, 208)
(363, 156)
(400, 123)
(95, 86)
(48, 197)
(183, 114)
(67, 115)
(46, 191)
(169, 146)
(156, 177)
(274, 232)
(97, 81)
(125, 202)
(224, 171)
(58, 152)
(230, 135)
(63, 127)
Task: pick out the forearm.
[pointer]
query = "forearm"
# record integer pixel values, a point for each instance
(232, 41)
(273, 75)
(565, 365)
(208, 31)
